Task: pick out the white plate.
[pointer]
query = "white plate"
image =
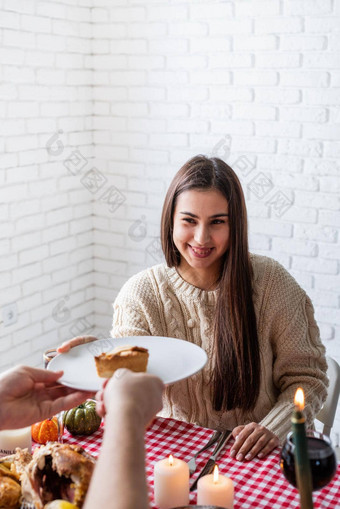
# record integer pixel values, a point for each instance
(169, 358)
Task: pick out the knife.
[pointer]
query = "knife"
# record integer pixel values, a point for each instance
(208, 467)
(192, 462)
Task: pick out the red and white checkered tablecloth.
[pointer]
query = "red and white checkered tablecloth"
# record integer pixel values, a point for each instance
(258, 484)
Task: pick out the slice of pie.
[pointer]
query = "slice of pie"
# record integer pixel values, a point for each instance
(130, 357)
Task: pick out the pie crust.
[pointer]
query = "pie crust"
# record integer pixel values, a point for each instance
(134, 358)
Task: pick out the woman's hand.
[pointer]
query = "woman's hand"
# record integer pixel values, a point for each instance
(252, 440)
(29, 395)
(71, 343)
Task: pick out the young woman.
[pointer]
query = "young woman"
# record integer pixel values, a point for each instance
(250, 316)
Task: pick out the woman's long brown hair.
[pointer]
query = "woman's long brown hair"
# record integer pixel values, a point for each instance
(236, 376)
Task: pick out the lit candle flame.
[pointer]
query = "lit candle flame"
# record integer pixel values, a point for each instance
(171, 460)
(299, 399)
(215, 474)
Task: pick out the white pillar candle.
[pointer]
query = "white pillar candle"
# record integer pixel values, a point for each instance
(171, 483)
(215, 489)
(12, 438)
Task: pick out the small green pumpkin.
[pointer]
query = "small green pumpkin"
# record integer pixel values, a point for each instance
(83, 419)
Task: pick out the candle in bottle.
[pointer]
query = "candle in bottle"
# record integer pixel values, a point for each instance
(215, 489)
(302, 465)
(171, 483)
(12, 438)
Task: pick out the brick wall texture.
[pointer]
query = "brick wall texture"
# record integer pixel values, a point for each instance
(102, 101)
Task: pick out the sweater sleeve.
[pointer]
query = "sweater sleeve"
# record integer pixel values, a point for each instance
(299, 356)
(135, 310)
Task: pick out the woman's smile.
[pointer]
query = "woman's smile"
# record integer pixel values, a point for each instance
(201, 252)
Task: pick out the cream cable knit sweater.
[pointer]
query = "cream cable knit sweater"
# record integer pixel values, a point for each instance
(158, 302)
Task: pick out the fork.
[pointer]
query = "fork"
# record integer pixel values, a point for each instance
(192, 463)
(26, 505)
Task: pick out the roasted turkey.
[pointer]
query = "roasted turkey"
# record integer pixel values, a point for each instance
(57, 471)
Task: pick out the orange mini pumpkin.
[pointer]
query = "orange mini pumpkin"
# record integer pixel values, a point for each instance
(45, 431)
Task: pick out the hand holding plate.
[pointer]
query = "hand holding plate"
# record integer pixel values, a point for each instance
(71, 343)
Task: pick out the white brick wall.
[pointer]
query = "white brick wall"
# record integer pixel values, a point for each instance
(141, 86)
(250, 78)
(45, 210)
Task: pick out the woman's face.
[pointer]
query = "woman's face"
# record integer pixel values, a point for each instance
(201, 229)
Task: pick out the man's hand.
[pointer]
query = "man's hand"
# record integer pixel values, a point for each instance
(29, 395)
(137, 392)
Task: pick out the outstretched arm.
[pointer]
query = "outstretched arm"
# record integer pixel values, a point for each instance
(129, 402)
(133, 313)
(298, 361)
